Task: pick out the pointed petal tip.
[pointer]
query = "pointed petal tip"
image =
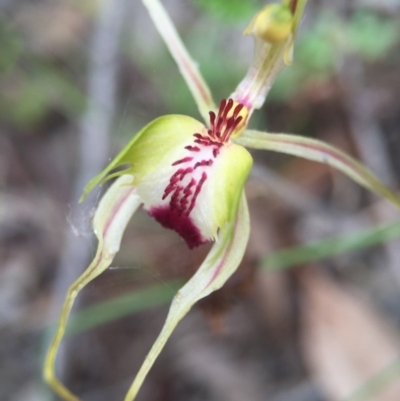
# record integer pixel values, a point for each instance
(83, 197)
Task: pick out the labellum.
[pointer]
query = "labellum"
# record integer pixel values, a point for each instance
(188, 177)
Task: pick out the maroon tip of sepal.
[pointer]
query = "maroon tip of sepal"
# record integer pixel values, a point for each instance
(293, 6)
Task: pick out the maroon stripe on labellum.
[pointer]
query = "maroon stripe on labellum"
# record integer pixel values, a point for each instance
(184, 160)
(196, 193)
(171, 216)
(182, 224)
(203, 163)
(186, 183)
(222, 125)
(173, 181)
(192, 148)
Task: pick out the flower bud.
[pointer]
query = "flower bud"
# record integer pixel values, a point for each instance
(273, 24)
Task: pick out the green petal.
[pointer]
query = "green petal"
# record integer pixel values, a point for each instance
(112, 215)
(220, 264)
(153, 148)
(319, 151)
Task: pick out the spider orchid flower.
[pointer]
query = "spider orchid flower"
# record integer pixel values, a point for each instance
(190, 175)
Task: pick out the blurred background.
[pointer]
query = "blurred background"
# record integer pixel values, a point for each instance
(313, 312)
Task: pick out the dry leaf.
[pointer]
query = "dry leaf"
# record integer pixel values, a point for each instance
(344, 341)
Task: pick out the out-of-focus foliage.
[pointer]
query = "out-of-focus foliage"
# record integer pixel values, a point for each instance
(321, 51)
(32, 86)
(11, 46)
(229, 11)
(372, 36)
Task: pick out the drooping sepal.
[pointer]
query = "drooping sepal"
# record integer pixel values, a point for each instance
(222, 261)
(319, 151)
(111, 217)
